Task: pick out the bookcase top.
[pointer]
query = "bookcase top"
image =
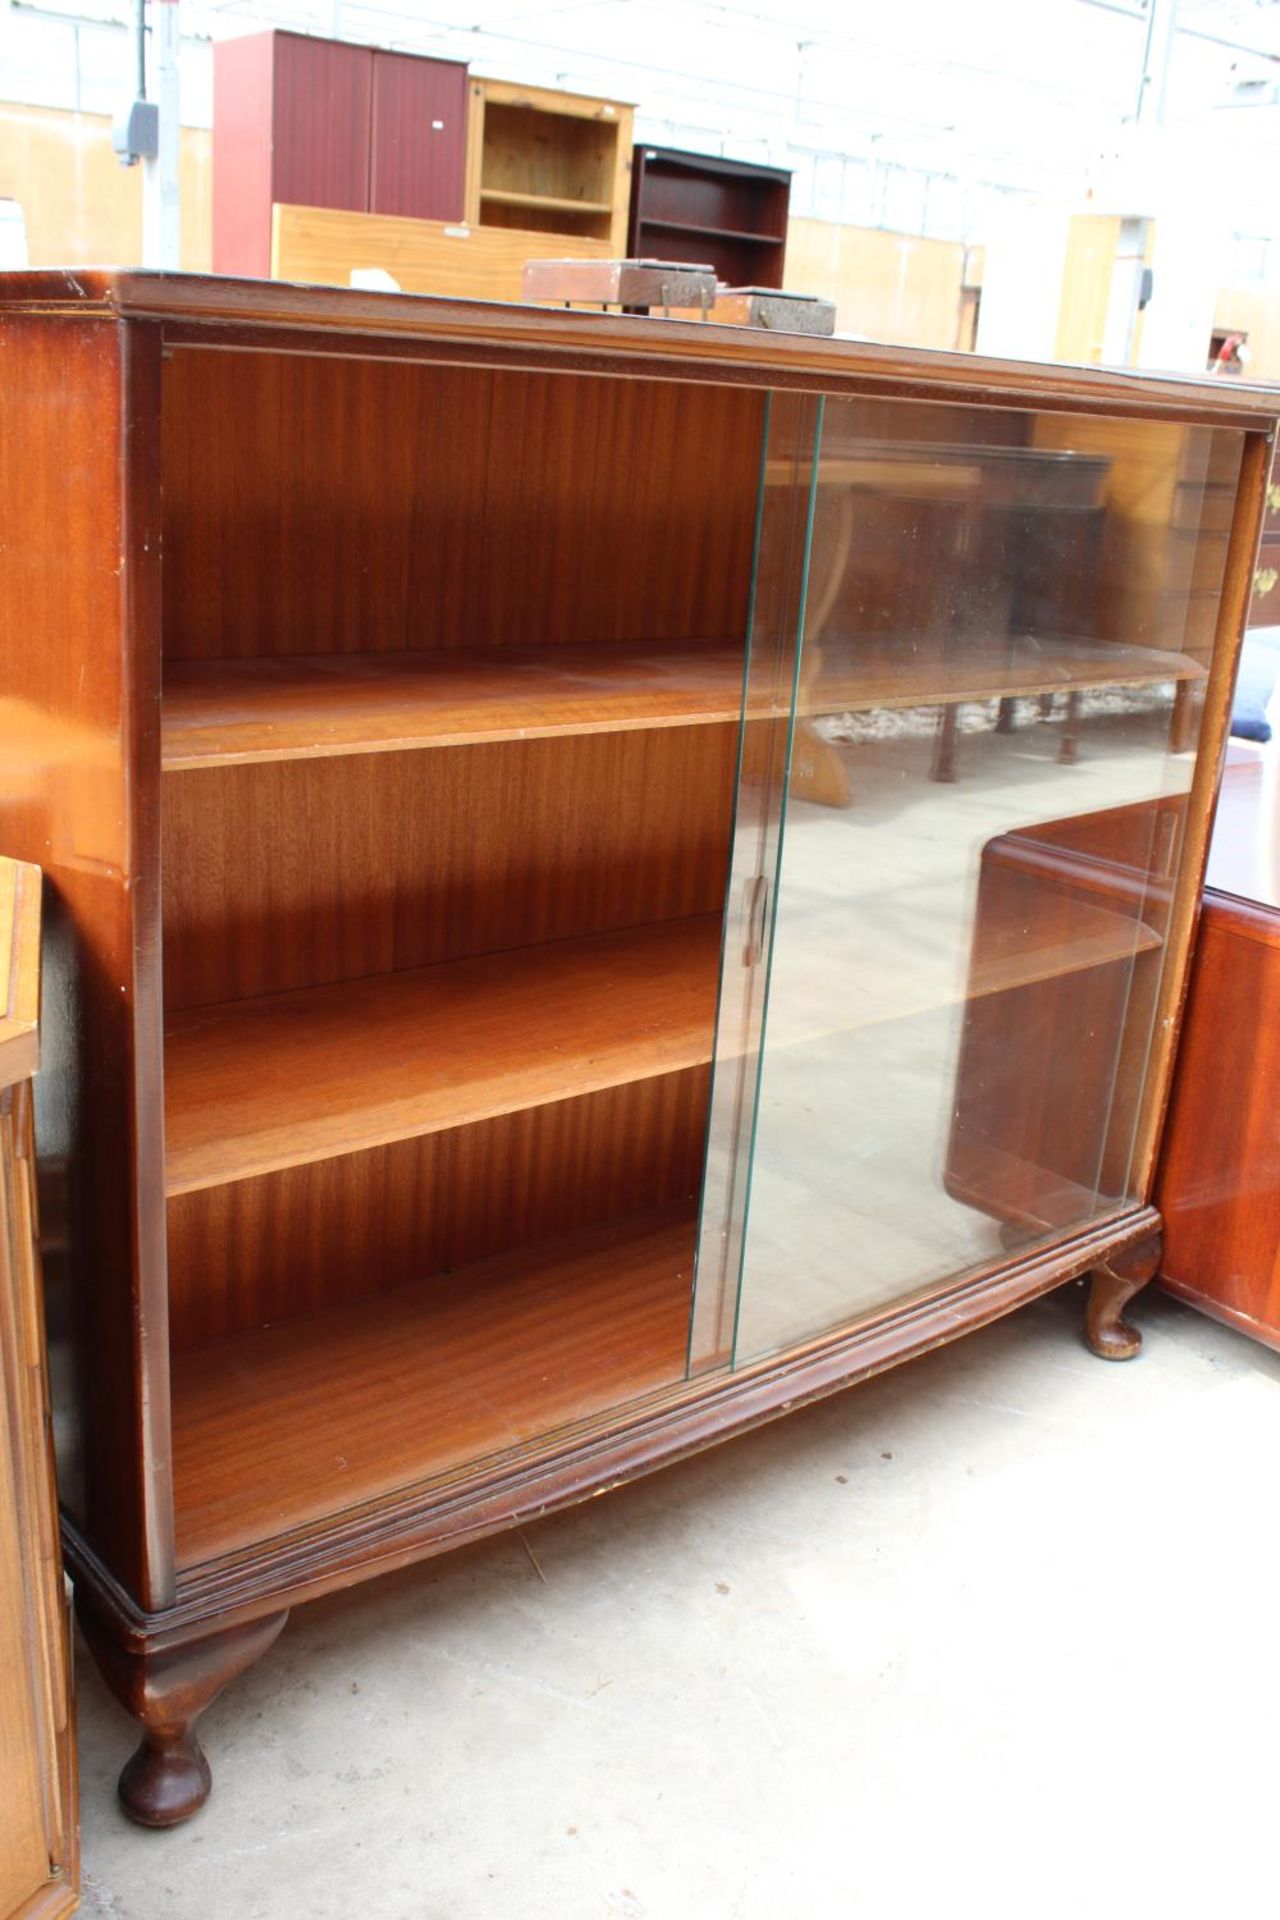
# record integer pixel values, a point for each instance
(223, 311)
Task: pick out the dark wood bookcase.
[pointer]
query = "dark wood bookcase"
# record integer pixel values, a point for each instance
(727, 214)
(438, 725)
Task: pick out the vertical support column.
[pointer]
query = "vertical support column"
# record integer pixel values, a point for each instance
(161, 177)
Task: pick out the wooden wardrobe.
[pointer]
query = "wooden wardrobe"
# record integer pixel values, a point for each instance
(606, 878)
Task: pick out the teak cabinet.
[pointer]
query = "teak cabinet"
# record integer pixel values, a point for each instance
(565, 834)
(307, 122)
(38, 1843)
(1218, 1186)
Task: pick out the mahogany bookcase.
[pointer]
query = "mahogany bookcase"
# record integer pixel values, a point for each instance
(512, 945)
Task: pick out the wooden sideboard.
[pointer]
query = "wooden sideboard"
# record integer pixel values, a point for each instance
(489, 1066)
(38, 1850)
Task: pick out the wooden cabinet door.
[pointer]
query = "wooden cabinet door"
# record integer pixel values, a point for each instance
(321, 115)
(38, 1855)
(417, 159)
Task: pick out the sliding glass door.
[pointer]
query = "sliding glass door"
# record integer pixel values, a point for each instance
(972, 707)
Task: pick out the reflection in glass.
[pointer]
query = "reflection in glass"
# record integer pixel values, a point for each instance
(999, 671)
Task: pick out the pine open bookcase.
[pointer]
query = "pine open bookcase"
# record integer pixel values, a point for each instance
(604, 878)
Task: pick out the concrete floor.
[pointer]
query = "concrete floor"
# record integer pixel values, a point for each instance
(988, 1635)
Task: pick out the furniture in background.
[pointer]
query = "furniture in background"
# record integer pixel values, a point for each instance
(323, 123)
(548, 161)
(483, 1075)
(38, 1835)
(771, 308)
(1219, 1184)
(695, 206)
(676, 290)
(629, 286)
(320, 247)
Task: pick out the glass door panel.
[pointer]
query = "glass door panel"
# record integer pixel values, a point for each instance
(784, 527)
(963, 895)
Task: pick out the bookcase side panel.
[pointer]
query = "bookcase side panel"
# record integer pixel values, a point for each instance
(79, 748)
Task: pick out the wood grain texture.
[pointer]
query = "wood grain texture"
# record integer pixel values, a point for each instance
(38, 1844)
(316, 246)
(550, 146)
(38, 1835)
(264, 1084)
(256, 1251)
(79, 779)
(435, 1377)
(1219, 1181)
(315, 506)
(418, 142)
(503, 1492)
(284, 875)
(322, 110)
(223, 712)
(19, 971)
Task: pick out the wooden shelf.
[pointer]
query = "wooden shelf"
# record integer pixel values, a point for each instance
(669, 159)
(1023, 949)
(233, 711)
(284, 1426)
(860, 672)
(553, 203)
(1037, 937)
(256, 1085)
(713, 233)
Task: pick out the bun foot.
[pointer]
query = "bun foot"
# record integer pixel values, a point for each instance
(1106, 1331)
(166, 1687)
(166, 1781)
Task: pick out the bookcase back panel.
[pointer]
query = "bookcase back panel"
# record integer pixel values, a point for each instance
(561, 155)
(317, 505)
(335, 1230)
(293, 873)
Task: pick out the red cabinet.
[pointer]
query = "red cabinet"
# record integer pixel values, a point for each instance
(418, 149)
(320, 123)
(321, 116)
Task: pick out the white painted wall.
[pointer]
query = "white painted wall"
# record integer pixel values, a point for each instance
(1022, 282)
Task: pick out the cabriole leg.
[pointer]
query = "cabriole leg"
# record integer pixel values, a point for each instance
(167, 1690)
(1112, 1286)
